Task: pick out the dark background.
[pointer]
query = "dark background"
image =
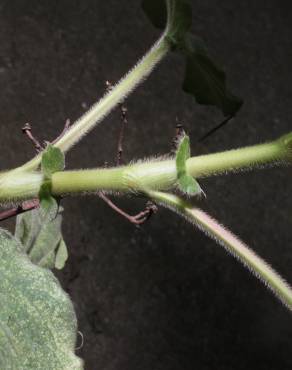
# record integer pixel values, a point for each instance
(163, 296)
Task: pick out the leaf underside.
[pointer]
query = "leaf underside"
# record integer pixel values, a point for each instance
(37, 320)
(41, 238)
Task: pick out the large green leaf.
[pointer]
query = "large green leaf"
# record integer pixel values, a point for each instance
(37, 320)
(204, 79)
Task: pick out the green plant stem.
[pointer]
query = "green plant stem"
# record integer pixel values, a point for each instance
(111, 99)
(162, 175)
(155, 174)
(115, 95)
(230, 242)
(238, 159)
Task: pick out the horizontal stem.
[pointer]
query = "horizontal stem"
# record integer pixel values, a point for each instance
(236, 160)
(162, 175)
(155, 175)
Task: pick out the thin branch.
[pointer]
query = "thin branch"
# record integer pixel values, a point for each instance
(137, 219)
(65, 129)
(24, 207)
(214, 129)
(124, 122)
(26, 129)
(179, 132)
(142, 216)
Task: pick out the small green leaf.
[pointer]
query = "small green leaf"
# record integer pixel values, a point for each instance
(189, 185)
(53, 160)
(41, 238)
(203, 78)
(48, 204)
(183, 153)
(186, 183)
(61, 255)
(40, 230)
(38, 326)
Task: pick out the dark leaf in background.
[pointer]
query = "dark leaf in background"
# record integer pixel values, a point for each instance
(204, 79)
(156, 11)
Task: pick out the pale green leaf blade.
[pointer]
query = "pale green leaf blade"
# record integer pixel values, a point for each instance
(37, 321)
(46, 241)
(53, 160)
(48, 204)
(28, 225)
(182, 154)
(48, 260)
(61, 255)
(186, 183)
(41, 237)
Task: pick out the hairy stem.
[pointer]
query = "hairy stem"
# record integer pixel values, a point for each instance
(230, 242)
(116, 94)
(110, 100)
(154, 175)
(162, 175)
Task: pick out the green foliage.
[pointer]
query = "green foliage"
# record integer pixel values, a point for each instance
(40, 230)
(37, 320)
(203, 78)
(41, 238)
(48, 204)
(186, 182)
(53, 160)
(61, 255)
